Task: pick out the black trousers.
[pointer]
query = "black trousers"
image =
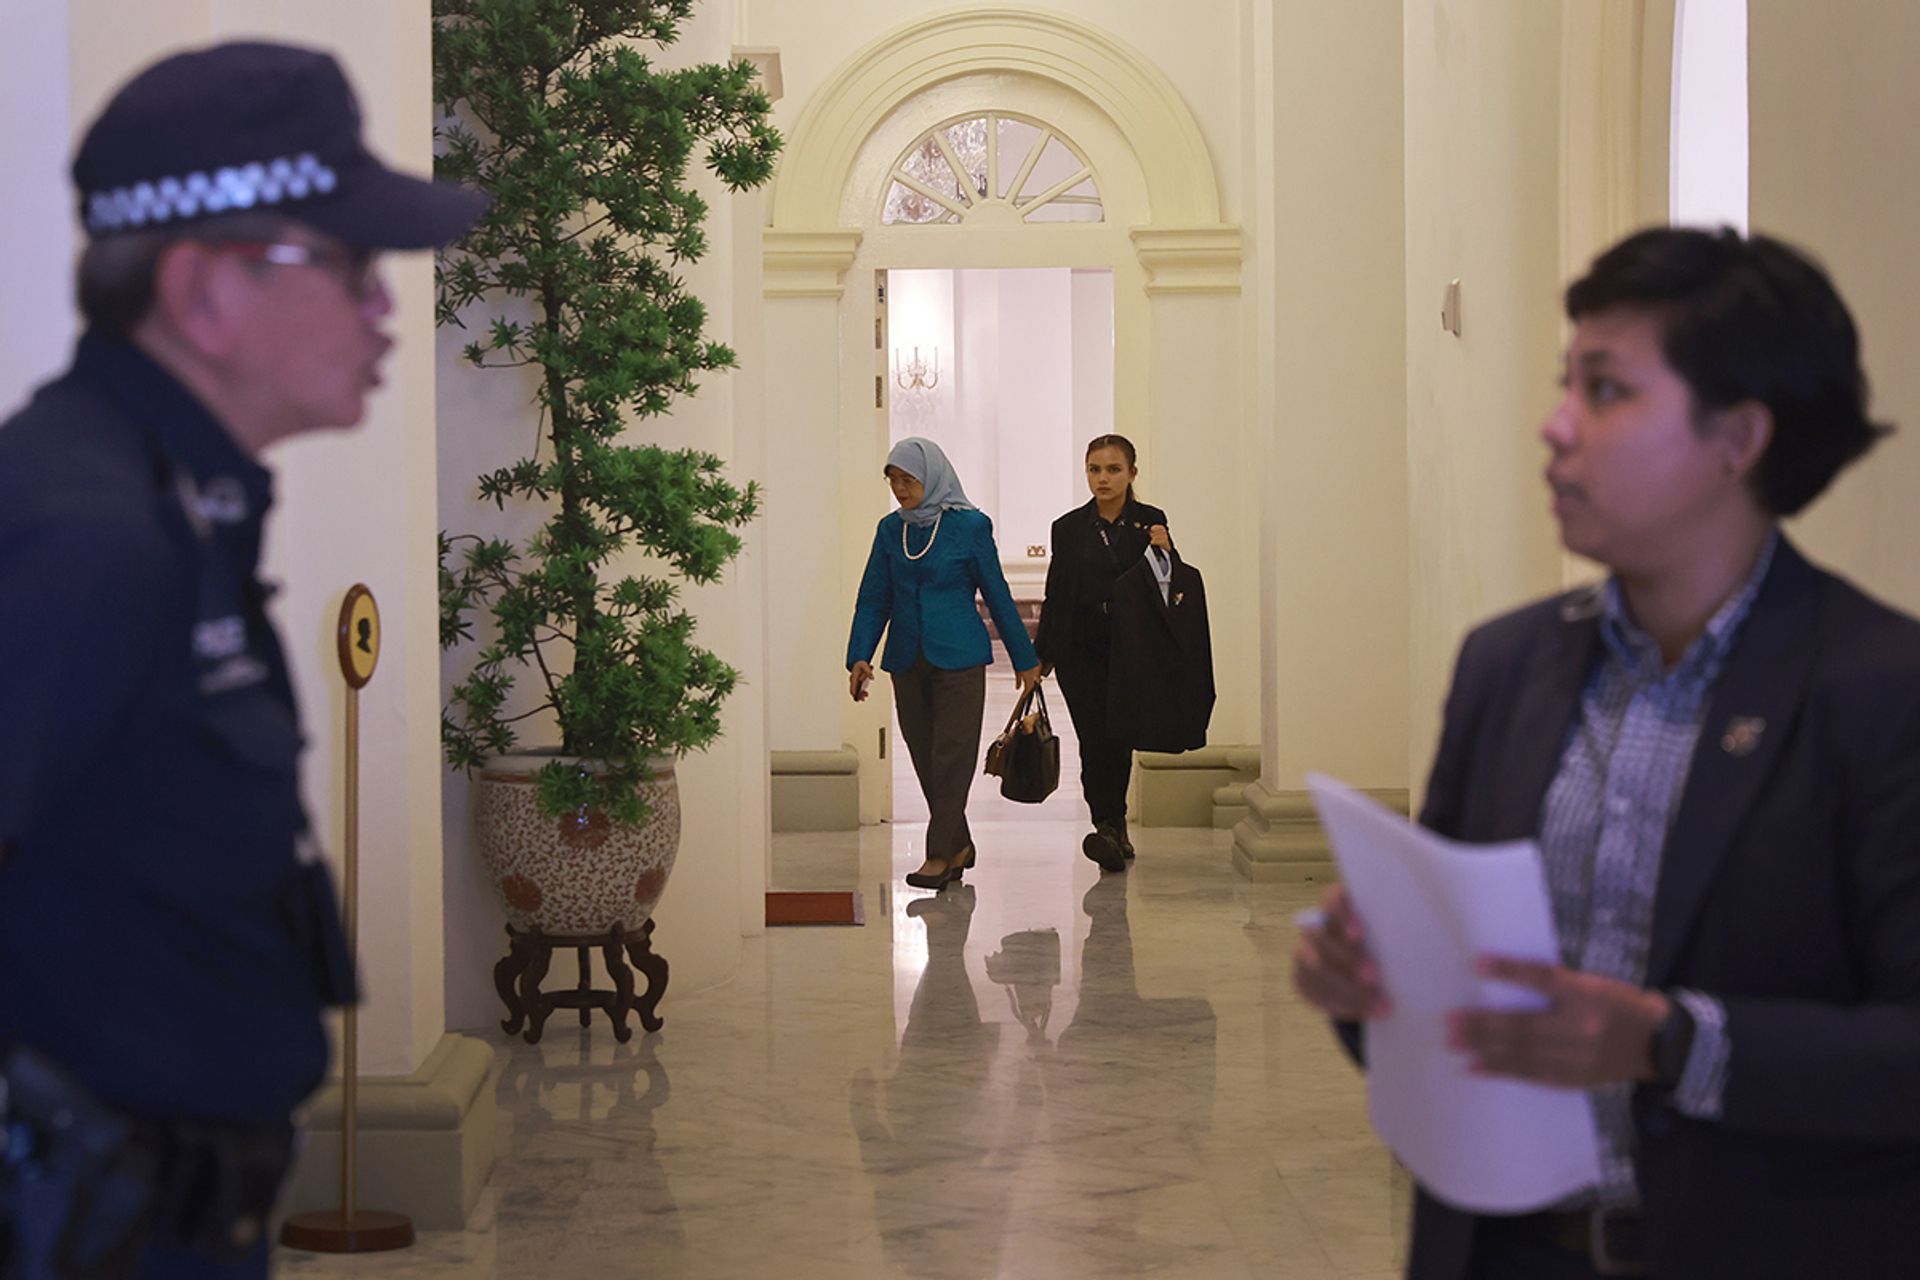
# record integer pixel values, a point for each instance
(940, 719)
(1105, 764)
(1503, 1249)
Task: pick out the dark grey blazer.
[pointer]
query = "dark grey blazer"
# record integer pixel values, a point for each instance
(1789, 888)
(1160, 690)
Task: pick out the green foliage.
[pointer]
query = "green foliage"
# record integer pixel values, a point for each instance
(554, 109)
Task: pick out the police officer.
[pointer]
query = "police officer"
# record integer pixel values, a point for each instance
(167, 938)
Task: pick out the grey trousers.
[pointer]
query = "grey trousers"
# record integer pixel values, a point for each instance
(940, 719)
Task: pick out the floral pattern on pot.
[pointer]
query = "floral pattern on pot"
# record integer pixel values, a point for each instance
(581, 874)
(521, 893)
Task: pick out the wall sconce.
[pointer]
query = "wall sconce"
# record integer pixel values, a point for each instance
(916, 374)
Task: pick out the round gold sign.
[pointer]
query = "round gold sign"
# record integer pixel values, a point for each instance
(359, 636)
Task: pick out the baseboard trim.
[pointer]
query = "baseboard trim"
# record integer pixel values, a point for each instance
(428, 1141)
(816, 790)
(1185, 790)
(1280, 840)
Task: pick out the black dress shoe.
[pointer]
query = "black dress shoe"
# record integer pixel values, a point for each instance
(936, 879)
(1126, 845)
(1102, 846)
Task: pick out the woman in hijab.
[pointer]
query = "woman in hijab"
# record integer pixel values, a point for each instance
(929, 559)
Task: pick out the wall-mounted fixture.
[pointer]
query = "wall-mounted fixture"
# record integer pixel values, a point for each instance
(916, 374)
(1450, 308)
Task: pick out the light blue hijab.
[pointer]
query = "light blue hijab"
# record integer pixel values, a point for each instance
(923, 460)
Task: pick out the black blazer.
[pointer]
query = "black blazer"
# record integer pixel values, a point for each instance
(1789, 889)
(1071, 540)
(1160, 689)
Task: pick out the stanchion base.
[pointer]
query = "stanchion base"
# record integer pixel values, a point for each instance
(330, 1231)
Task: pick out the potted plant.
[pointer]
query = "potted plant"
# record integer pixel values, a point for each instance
(553, 108)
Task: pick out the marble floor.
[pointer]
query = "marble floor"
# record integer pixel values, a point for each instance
(1044, 1073)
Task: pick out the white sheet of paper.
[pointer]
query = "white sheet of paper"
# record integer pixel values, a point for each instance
(1432, 907)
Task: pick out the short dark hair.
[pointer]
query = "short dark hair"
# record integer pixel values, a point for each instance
(116, 275)
(1748, 318)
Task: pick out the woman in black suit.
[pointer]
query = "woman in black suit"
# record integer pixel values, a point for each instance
(1092, 546)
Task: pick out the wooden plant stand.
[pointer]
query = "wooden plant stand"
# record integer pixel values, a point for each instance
(518, 977)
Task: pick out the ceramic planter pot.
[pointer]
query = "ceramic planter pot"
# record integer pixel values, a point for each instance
(578, 875)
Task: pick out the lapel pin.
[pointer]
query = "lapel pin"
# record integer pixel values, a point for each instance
(1178, 596)
(1743, 734)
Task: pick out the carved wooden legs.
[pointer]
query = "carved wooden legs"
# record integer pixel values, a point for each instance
(640, 951)
(504, 976)
(517, 977)
(622, 983)
(535, 1004)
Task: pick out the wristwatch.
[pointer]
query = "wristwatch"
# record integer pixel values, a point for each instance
(1672, 1044)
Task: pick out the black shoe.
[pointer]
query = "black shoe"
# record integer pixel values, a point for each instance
(937, 879)
(1103, 847)
(1126, 845)
(961, 863)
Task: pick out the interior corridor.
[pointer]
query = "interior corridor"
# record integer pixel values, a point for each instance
(1044, 1073)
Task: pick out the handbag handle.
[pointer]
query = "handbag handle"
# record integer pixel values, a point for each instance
(1026, 700)
(1019, 709)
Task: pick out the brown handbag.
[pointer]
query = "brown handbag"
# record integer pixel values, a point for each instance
(1026, 755)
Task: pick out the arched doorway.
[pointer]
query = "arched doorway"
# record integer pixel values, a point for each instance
(1176, 281)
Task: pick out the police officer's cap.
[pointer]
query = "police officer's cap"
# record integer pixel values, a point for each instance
(254, 127)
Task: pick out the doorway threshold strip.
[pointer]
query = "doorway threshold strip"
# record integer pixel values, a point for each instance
(842, 907)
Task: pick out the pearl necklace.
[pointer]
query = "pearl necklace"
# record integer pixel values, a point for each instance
(930, 540)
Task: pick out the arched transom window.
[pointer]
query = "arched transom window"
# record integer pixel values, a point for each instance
(992, 168)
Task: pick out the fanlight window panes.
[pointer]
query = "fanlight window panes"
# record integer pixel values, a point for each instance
(1018, 170)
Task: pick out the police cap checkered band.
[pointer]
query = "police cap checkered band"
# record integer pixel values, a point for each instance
(254, 126)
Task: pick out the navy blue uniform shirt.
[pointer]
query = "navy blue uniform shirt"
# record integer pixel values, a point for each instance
(159, 937)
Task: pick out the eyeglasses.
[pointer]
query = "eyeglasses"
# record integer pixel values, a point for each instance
(357, 269)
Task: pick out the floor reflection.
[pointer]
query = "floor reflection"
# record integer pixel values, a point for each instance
(1046, 1073)
(931, 1128)
(948, 1135)
(584, 1135)
(1028, 966)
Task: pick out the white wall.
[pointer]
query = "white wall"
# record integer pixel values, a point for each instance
(806, 489)
(1036, 407)
(36, 214)
(1709, 146)
(1483, 195)
(1325, 390)
(1835, 171)
(1093, 386)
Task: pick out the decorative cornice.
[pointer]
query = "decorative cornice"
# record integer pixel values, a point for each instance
(1192, 259)
(806, 264)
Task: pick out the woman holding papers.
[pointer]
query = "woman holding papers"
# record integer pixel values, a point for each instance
(1718, 752)
(929, 560)
(1092, 546)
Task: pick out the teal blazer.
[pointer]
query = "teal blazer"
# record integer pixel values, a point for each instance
(927, 605)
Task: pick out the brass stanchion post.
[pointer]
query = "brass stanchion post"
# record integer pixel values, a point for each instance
(351, 1229)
